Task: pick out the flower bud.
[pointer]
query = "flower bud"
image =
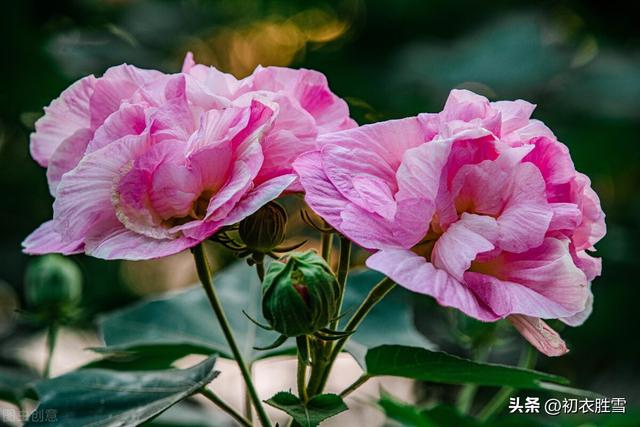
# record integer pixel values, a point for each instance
(52, 283)
(264, 230)
(300, 294)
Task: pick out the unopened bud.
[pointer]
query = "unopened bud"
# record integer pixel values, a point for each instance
(264, 230)
(52, 283)
(300, 294)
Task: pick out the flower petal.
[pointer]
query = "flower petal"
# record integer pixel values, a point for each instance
(66, 115)
(515, 114)
(84, 199)
(387, 140)
(454, 251)
(542, 282)
(45, 239)
(121, 243)
(526, 217)
(540, 335)
(311, 90)
(320, 194)
(416, 274)
(129, 119)
(66, 157)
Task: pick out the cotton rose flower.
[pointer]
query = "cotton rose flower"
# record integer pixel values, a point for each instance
(478, 206)
(144, 164)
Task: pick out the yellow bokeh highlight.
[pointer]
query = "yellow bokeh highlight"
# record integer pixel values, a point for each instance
(271, 41)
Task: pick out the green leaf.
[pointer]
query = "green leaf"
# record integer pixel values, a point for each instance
(147, 358)
(389, 322)
(183, 323)
(445, 415)
(14, 383)
(425, 365)
(99, 397)
(404, 413)
(316, 410)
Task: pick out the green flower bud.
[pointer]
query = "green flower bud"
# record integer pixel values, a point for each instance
(264, 230)
(52, 283)
(300, 294)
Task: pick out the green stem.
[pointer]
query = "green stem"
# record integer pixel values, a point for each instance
(528, 361)
(204, 273)
(353, 387)
(327, 244)
(226, 407)
(259, 259)
(343, 273)
(303, 361)
(52, 337)
(468, 392)
(375, 295)
(248, 408)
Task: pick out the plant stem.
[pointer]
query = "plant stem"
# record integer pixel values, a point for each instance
(327, 245)
(317, 383)
(357, 383)
(204, 273)
(259, 259)
(468, 392)
(52, 337)
(225, 407)
(528, 361)
(303, 361)
(248, 408)
(343, 273)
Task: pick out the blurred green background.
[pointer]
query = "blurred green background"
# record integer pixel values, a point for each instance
(579, 61)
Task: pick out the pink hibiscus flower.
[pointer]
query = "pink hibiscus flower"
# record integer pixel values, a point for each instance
(143, 164)
(477, 206)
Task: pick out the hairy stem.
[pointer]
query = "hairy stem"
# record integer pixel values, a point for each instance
(225, 407)
(204, 273)
(52, 337)
(528, 361)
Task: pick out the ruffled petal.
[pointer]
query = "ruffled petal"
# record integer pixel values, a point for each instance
(45, 239)
(66, 157)
(320, 194)
(542, 282)
(129, 119)
(416, 274)
(310, 89)
(454, 251)
(527, 214)
(121, 243)
(515, 114)
(85, 194)
(387, 140)
(65, 116)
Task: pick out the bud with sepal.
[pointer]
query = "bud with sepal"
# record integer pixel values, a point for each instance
(301, 296)
(53, 288)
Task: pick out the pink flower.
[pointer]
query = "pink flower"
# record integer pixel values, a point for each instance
(142, 164)
(477, 206)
